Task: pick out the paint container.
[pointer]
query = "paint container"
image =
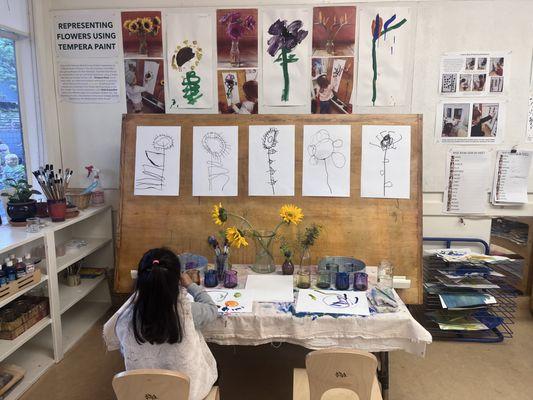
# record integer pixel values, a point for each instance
(323, 279)
(20, 268)
(57, 210)
(342, 280)
(360, 281)
(303, 279)
(11, 272)
(3, 278)
(210, 278)
(231, 279)
(194, 274)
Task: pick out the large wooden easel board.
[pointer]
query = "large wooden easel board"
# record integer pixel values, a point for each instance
(368, 229)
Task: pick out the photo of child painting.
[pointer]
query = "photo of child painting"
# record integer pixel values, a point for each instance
(484, 120)
(455, 118)
(238, 91)
(332, 85)
(144, 86)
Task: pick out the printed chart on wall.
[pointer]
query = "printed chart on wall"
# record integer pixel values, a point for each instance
(326, 160)
(470, 122)
(215, 161)
(385, 45)
(271, 160)
(333, 63)
(237, 61)
(190, 61)
(157, 161)
(386, 161)
(286, 47)
(511, 177)
(471, 74)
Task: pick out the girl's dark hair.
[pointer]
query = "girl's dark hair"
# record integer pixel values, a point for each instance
(155, 313)
(250, 91)
(322, 81)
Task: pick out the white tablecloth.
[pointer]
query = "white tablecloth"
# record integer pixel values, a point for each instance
(274, 322)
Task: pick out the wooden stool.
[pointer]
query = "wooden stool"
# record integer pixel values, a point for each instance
(340, 372)
(160, 384)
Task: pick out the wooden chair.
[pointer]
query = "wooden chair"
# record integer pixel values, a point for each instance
(152, 384)
(340, 372)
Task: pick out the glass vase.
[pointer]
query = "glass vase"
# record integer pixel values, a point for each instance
(235, 54)
(330, 47)
(222, 265)
(288, 267)
(264, 260)
(143, 44)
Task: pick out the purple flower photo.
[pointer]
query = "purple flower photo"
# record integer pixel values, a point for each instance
(236, 23)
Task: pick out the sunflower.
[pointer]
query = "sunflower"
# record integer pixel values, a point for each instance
(133, 27)
(236, 237)
(157, 21)
(147, 24)
(155, 30)
(291, 214)
(219, 214)
(126, 24)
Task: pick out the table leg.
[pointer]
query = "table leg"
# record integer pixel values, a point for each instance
(383, 373)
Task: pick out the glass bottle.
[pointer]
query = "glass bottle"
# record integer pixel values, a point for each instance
(323, 279)
(231, 279)
(385, 273)
(303, 280)
(235, 54)
(360, 281)
(288, 267)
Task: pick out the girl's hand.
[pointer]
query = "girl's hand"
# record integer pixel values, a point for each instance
(185, 279)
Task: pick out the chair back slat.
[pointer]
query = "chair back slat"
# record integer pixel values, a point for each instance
(151, 384)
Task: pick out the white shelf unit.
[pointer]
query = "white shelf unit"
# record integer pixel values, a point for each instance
(73, 310)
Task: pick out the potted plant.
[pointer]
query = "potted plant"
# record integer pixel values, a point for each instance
(20, 205)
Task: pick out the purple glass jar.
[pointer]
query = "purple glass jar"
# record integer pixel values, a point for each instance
(211, 278)
(230, 279)
(342, 281)
(360, 281)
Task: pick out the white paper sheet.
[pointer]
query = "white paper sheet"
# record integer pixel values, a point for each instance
(190, 67)
(336, 73)
(215, 161)
(511, 177)
(231, 87)
(393, 50)
(326, 160)
(270, 288)
(157, 161)
(529, 124)
(386, 161)
(231, 301)
(332, 302)
(467, 181)
(298, 71)
(271, 160)
(151, 70)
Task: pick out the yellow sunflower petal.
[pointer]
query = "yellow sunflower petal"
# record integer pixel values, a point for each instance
(291, 214)
(219, 214)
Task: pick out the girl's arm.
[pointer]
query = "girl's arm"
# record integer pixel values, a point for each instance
(204, 309)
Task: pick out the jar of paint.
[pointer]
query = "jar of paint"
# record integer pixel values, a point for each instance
(323, 279)
(210, 278)
(30, 266)
(20, 268)
(342, 281)
(303, 280)
(3, 278)
(360, 281)
(11, 272)
(231, 279)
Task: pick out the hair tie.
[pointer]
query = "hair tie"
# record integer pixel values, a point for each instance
(155, 262)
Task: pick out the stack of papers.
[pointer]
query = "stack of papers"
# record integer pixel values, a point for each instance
(511, 177)
(465, 281)
(458, 321)
(461, 301)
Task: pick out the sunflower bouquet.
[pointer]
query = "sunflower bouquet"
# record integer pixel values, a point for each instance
(237, 235)
(143, 26)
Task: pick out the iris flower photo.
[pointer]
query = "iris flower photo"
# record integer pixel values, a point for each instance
(285, 37)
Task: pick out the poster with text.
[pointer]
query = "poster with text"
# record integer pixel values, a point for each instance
(334, 31)
(190, 61)
(271, 160)
(144, 86)
(157, 161)
(386, 161)
(80, 34)
(237, 38)
(142, 34)
(385, 46)
(326, 160)
(286, 50)
(332, 85)
(215, 161)
(237, 91)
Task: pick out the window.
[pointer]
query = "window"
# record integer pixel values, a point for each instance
(12, 157)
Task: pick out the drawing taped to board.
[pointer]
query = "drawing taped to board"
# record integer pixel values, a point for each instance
(384, 51)
(231, 300)
(313, 301)
(326, 160)
(189, 54)
(271, 160)
(215, 160)
(386, 161)
(157, 159)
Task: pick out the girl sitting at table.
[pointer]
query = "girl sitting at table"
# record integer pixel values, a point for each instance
(158, 326)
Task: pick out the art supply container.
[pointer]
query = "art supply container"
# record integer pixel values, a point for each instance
(222, 265)
(73, 280)
(211, 278)
(385, 274)
(33, 225)
(20, 268)
(42, 209)
(194, 274)
(3, 278)
(11, 271)
(323, 279)
(57, 209)
(303, 279)
(360, 281)
(342, 280)
(230, 279)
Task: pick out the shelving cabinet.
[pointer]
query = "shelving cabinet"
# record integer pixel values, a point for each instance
(73, 310)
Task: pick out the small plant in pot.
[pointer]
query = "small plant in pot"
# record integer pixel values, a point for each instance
(20, 205)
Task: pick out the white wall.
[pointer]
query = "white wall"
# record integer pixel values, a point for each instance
(91, 133)
(14, 16)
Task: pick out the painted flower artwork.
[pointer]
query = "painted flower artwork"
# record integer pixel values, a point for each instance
(284, 38)
(186, 58)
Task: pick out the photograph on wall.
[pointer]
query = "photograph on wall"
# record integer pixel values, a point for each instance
(332, 85)
(470, 122)
(385, 48)
(145, 90)
(472, 74)
(237, 91)
(141, 34)
(237, 38)
(286, 48)
(190, 61)
(334, 31)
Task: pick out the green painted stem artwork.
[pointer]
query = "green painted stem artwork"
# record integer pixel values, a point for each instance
(191, 87)
(378, 30)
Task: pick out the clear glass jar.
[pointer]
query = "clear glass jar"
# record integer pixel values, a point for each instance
(385, 273)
